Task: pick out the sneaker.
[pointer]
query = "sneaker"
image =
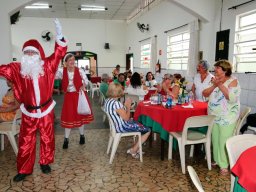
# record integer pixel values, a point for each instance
(82, 140)
(20, 177)
(45, 169)
(65, 144)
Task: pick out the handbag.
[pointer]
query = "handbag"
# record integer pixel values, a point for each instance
(83, 107)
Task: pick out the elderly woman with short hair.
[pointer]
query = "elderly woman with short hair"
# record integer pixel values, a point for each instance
(224, 103)
(104, 84)
(120, 115)
(202, 80)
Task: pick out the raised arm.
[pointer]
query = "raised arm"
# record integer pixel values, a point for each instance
(60, 48)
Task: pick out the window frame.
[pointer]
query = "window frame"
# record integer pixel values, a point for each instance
(142, 55)
(184, 51)
(243, 53)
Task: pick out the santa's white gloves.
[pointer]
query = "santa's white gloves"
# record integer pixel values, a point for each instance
(58, 29)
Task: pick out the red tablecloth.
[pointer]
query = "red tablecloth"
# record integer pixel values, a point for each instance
(170, 119)
(95, 79)
(245, 169)
(150, 92)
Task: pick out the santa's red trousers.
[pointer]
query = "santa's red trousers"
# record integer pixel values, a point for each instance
(27, 142)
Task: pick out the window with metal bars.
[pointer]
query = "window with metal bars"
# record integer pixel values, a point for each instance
(244, 57)
(177, 50)
(145, 55)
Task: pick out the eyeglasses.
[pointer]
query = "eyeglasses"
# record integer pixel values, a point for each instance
(165, 78)
(30, 52)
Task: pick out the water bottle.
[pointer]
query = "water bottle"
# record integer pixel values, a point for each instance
(159, 99)
(169, 102)
(191, 97)
(179, 100)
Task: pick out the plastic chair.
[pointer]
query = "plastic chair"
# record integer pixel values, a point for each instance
(190, 137)
(114, 139)
(235, 146)
(194, 177)
(102, 102)
(11, 129)
(241, 119)
(93, 87)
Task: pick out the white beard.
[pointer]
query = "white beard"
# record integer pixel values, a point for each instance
(31, 66)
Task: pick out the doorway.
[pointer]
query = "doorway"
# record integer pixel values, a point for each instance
(129, 61)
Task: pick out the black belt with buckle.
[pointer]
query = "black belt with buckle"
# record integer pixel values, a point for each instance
(30, 107)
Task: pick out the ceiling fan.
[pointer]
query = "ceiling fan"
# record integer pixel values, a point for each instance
(142, 27)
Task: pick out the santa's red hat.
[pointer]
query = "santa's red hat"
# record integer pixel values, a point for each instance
(34, 45)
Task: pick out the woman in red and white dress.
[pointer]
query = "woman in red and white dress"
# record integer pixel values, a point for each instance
(73, 80)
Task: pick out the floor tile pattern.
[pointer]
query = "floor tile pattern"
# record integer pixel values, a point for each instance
(86, 167)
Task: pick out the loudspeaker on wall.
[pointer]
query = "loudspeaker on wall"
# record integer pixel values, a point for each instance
(106, 46)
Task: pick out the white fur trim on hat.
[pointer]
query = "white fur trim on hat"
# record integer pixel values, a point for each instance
(30, 48)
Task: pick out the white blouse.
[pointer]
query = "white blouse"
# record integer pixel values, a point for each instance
(71, 86)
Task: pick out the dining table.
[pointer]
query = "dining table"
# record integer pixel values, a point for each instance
(245, 171)
(163, 120)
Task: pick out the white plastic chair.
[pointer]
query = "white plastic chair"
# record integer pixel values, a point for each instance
(102, 102)
(114, 139)
(241, 119)
(11, 129)
(194, 177)
(189, 137)
(235, 146)
(93, 87)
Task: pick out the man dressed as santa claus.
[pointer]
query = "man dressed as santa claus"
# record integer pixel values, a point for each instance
(33, 80)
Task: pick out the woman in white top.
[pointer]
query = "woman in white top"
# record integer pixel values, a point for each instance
(158, 74)
(136, 87)
(202, 80)
(150, 80)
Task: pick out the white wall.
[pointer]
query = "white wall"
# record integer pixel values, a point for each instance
(247, 81)
(164, 16)
(93, 34)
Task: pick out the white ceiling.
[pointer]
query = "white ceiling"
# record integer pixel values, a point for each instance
(117, 9)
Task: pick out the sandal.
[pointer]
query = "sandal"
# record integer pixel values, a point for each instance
(224, 171)
(214, 164)
(134, 155)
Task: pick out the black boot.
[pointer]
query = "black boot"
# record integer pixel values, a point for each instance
(65, 144)
(20, 177)
(45, 169)
(82, 140)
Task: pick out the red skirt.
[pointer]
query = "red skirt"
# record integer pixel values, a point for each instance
(69, 116)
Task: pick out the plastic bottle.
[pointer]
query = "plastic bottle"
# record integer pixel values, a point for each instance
(169, 102)
(191, 97)
(159, 99)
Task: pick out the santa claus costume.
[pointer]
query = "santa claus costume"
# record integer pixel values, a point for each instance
(33, 88)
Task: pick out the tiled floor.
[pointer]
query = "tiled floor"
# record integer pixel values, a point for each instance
(86, 167)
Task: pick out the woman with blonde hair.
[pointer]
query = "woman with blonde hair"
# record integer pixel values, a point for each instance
(224, 103)
(120, 115)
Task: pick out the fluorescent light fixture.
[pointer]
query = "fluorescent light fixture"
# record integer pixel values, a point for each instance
(39, 6)
(92, 8)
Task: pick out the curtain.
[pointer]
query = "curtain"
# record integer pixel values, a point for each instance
(193, 48)
(153, 53)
